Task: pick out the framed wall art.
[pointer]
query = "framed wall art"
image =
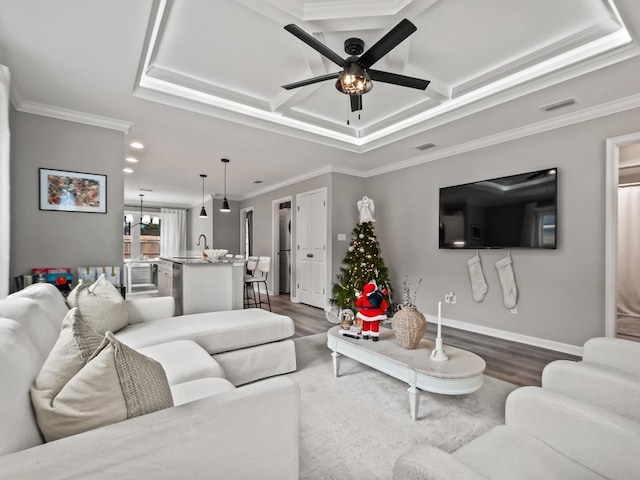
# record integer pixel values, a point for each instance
(65, 191)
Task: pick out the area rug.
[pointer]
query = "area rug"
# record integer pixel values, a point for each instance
(357, 425)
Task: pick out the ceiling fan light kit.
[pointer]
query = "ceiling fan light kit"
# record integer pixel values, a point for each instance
(354, 80)
(356, 76)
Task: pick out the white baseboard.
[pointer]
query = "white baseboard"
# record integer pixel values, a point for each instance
(294, 300)
(503, 334)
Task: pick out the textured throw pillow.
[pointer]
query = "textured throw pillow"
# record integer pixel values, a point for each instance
(116, 383)
(100, 304)
(72, 350)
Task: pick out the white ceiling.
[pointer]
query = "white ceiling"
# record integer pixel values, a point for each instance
(200, 80)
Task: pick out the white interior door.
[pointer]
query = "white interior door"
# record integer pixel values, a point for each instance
(311, 239)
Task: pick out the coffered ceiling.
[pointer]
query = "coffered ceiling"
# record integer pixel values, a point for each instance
(199, 80)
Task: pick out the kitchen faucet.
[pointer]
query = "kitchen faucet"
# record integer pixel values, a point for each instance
(205, 241)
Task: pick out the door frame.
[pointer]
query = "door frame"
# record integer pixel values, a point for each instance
(327, 236)
(275, 244)
(612, 164)
(243, 212)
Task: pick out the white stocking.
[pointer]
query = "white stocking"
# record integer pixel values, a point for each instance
(507, 281)
(478, 284)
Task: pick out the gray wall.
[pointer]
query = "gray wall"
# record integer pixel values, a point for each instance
(561, 292)
(262, 221)
(197, 225)
(226, 227)
(347, 190)
(221, 229)
(63, 239)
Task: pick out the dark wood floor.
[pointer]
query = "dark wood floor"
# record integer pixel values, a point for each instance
(510, 361)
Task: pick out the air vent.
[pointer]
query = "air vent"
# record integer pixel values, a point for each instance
(146, 189)
(426, 146)
(556, 105)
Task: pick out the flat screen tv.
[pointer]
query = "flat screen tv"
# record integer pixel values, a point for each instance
(507, 212)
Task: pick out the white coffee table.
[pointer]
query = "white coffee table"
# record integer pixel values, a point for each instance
(459, 375)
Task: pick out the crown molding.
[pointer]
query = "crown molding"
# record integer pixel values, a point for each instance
(73, 116)
(305, 176)
(591, 113)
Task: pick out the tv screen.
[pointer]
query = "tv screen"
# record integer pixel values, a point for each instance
(506, 212)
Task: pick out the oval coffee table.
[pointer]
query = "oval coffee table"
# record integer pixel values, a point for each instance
(459, 375)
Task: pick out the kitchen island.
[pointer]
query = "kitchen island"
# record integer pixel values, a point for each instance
(200, 285)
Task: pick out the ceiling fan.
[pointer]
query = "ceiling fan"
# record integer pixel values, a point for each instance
(357, 74)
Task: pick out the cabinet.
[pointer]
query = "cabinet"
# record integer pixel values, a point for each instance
(165, 279)
(199, 285)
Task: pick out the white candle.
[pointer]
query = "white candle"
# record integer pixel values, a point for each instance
(439, 318)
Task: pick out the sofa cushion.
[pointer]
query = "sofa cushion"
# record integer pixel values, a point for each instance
(50, 300)
(505, 453)
(200, 388)
(216, 332)
(28, 313)
(19, 365)
(183, 361)
(100, 304)
(116, 383)
(75, 345)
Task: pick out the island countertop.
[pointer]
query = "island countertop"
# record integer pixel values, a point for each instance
(199, 260)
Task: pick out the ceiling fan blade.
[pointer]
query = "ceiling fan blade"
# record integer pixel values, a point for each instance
(397, 79)
(315, 44)
(387, 43)
(310, 81)
(356, 102)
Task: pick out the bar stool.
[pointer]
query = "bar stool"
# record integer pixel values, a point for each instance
(249, 293)
(259, 276)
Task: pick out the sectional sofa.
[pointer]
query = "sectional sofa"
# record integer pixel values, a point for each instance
(216, 428)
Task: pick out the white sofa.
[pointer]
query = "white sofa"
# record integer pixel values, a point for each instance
(546, 435)
(214, 429)
(607, 376)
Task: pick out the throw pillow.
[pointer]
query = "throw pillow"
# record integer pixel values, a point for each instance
(116, 383)
(75, 345)
(100, 304)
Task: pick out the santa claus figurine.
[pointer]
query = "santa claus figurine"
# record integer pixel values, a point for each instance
(372, 305)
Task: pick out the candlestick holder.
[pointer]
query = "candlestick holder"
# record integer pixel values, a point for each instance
(438, 354)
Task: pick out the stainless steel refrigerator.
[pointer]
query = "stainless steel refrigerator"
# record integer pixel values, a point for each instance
(285, 247)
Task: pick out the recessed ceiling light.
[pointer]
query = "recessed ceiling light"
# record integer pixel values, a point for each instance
(257, 181)
(127, 170)
(137, 145)
(132, 160)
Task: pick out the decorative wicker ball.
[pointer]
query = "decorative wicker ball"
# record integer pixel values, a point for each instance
(408, 325)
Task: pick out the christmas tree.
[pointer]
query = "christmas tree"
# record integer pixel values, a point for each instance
(361, 264)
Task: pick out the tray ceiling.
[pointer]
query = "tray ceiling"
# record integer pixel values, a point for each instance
(229, 59)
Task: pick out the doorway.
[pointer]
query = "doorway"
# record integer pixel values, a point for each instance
(246, 232)
(622, 284)
(282, 221)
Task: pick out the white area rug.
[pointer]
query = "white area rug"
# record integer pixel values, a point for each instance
(357, 425)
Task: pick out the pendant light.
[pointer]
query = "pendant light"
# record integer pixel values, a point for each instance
(203, 212)
(144, 219)
(225, 203)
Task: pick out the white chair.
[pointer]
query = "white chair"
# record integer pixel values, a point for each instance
(249, 292)
(608, 376)
(258, 277)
